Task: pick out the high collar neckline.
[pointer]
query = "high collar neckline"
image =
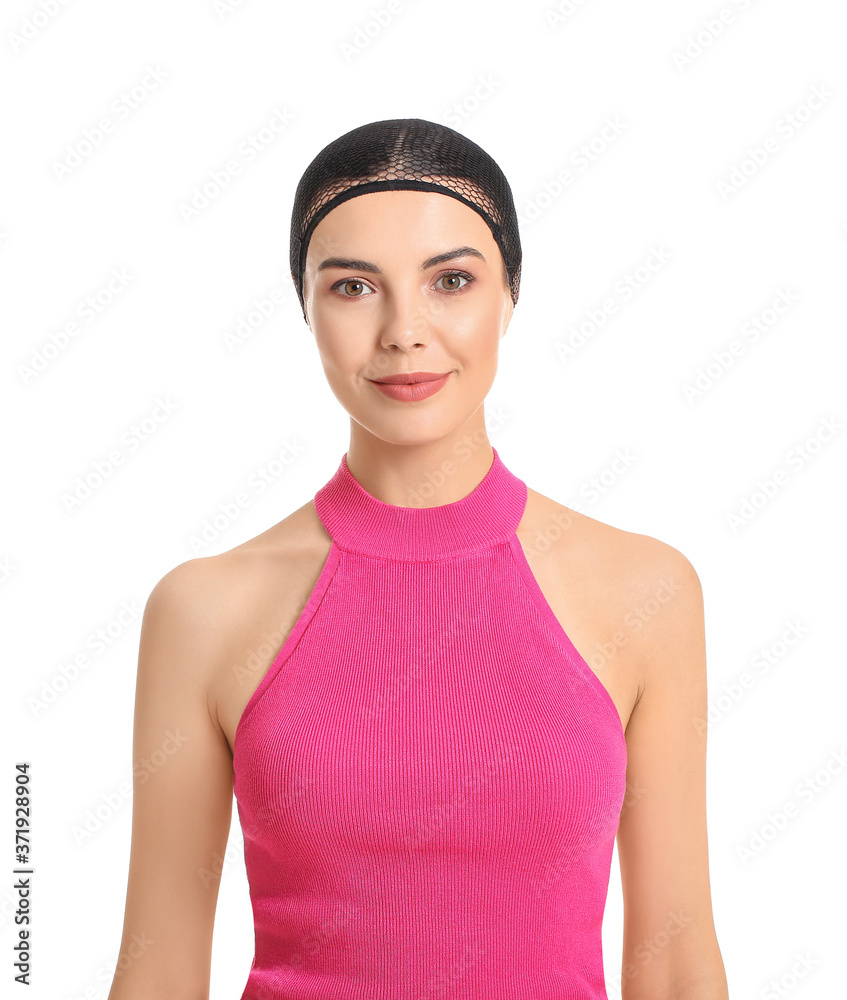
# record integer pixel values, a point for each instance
(359, 522)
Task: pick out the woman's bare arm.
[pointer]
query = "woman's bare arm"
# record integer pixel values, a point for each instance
(670, 945)
(182, 796)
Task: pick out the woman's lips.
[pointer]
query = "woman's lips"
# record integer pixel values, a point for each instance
(412, 390)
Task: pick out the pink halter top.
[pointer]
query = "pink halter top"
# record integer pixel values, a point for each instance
(429, 777)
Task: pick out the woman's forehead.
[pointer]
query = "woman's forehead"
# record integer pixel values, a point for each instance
(395, 215)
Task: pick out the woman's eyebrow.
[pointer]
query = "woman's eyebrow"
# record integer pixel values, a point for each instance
(441, 258)
(354, 264)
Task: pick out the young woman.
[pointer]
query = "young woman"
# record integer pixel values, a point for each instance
(395, 678)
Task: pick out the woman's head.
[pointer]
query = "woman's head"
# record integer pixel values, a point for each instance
(406, 275)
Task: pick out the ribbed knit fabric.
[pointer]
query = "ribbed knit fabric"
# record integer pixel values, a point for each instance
(429, 777)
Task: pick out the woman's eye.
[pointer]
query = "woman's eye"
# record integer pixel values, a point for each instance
(453, 277)
(358, 288)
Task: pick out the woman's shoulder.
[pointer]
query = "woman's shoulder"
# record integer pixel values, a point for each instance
(214, 602)
(632, 563)
(236, 573)
(211, 611)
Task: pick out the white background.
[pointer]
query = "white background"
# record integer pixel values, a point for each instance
(531, 87)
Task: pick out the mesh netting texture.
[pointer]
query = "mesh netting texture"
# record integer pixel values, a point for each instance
(404, 154)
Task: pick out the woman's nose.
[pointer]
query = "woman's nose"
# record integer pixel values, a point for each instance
(408, 321)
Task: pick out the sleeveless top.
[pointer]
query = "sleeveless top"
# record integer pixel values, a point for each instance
(429, 777)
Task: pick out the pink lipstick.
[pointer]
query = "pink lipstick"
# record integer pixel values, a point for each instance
(411, 385)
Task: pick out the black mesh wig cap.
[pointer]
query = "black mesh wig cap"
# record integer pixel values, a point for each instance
(404, 154)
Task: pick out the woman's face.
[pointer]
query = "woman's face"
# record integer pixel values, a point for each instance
(378, 304)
